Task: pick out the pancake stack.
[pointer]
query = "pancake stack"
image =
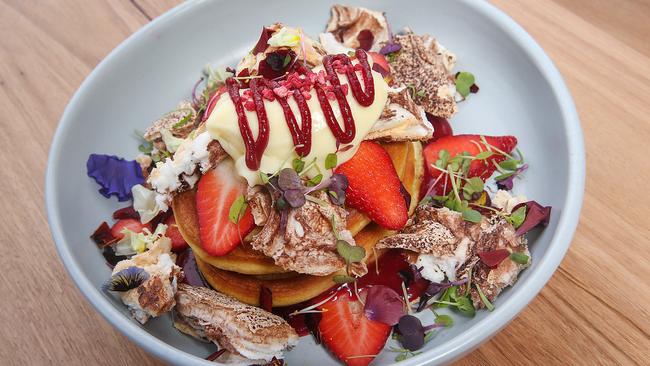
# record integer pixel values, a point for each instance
(243, 272)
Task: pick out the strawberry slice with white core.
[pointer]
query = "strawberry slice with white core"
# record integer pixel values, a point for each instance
(348, 333)
(216, 191)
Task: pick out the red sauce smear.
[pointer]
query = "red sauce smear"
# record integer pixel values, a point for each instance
(301, 135)
(390, 264)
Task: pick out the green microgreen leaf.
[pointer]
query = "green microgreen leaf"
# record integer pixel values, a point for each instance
(183, 121)
(484, 155)
(343, 279)
(426, 200)
(264, 178)
(445, 320)
(519, 258)
(237, 209)
(517, 217)
(350, 253)
(448, 296)
(503, 176)
(484, 298)
(473, 185)
(429, 336)
(472, 215)
(465, 306)
(315, 180)
(464, 80)
(298, 165)
(145, 148)
(286, 60)
(443, 159)
(330, 161)
(510, 164)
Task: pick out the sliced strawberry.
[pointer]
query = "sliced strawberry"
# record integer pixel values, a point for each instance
(347, 332)
(465, 143)
(132, 224)
(380, 64)
(178, 242)
(216, 192)
(375, 187)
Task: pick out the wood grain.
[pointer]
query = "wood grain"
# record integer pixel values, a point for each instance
(593, 311)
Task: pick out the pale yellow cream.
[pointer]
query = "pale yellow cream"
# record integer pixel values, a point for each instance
(223, 126)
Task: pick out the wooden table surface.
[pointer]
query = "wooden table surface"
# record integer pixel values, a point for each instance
(593, 311)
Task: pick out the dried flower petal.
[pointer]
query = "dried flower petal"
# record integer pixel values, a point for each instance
(365, 38)
(380, 69)
(383, 305)
(262, 42)
(126, 279)
(115, 175)
(493, 258)
(111, 258)
(126, 213)
(216, 354)
(102, 235)
(536, 214)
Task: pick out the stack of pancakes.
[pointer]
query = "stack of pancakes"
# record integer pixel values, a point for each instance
(242, 272)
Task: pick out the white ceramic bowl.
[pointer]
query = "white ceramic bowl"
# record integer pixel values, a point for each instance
(522, 93)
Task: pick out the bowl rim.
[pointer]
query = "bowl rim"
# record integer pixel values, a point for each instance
(445, 352)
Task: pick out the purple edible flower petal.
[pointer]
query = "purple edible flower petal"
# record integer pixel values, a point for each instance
(338, 184)
(126, 279)
(115, 175)
(508, 182)
(295, 197)
(384, 305)
(536, 214)
(187, 262)
(289, 179)
(390, 48)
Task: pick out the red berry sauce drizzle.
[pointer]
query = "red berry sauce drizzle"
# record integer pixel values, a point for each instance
(302, 79)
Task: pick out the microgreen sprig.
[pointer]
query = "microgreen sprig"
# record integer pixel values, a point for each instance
(461, 303)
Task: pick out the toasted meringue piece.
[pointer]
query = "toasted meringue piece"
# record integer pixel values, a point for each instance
(401, 120)
(441, 237)
(497, 234)
(169, 122)
(331, 45)
(155, 296)
(346, 22)
(423, 63)
(306, 242)
(446, 244)
(237, 327)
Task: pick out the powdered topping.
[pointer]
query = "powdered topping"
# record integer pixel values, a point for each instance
(422, 65)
